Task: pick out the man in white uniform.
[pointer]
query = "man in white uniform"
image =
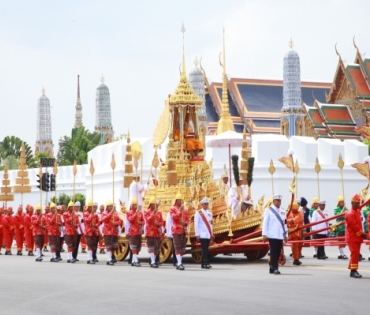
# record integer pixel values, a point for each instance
(275, 231)
(235, 195)
(318, 215)
(137, 190)
(204, 230)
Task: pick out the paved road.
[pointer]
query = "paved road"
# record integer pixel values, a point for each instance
(233, 286)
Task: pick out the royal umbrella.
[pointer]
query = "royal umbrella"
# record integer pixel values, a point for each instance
(228, 139)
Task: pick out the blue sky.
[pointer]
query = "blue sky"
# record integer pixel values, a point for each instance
(136, 45)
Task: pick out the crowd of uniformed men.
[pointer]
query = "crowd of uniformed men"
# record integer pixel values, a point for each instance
(93, 228)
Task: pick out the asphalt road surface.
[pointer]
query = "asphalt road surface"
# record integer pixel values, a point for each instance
(232, 286)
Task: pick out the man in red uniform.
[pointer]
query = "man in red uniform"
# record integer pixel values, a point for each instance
(8, 230)
(136, 219)
(28, 233)
(54, 223)
(179, 229)
(1, 229)
(18, 220)
(46, 238)
(111, 230)
(39, 225)
(92, 222)
(354, 233)
(101, 245)
(153, 230)
(72, 223)
(294, 222)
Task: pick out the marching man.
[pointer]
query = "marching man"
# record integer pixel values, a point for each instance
(92, 222)
(39, 225)
(354, 233)
(318, 215)
(8, 230)
(294, 222)
(153, 230)
(18, 221)
(340, 229)
(72, 223)
(274, 231)
(204, 230)
(136, 219)
(28, 230)
(179, 229)
(54, 223)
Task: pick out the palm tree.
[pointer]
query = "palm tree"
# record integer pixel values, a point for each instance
(10, 150)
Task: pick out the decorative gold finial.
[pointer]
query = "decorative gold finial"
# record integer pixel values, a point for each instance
(291, 43)
(225, 123)
(102, 79)
(43, 91)
(183, 73)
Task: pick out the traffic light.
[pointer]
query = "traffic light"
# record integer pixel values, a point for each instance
(52, 182)
(46, 182)
(38, 182)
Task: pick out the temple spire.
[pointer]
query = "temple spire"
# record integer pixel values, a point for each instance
(78, 115)
(183, 71)
(225, 123)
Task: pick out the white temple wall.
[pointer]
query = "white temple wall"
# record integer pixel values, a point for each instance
(264, 148)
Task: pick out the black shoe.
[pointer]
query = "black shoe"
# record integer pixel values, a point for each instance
(340, 257)
(38, 259)
(62, 250)
(2, 253)
(19, 253)
(102, 251)
(42, 255)
(75, 259)
(8, 253)
(90, 262)
(368, 258)
(354, 274)
(114, 260)
(361, 258)
(315, 256)
(59, 258)
(31, 254)
(153, 265)
(83, 251)
(345, 257)
(180, 267)
(132, 264)
(137, 264)
(204, 267)
(72, 261)
(297, 263)
(110, 263)
(276, 272)
(45, 249)
(325, 257)
(95, 260)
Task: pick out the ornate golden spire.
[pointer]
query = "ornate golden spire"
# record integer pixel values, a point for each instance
(225, 123)
(291, 44)
(184, 93)
(102, 79)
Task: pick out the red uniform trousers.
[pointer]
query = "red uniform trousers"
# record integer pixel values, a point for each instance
(19, 238)
(354, 247)
(29, 241)
(296, 247)
(101, 244)
(8, 240)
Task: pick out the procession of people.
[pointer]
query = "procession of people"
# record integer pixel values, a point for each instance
(56, 225)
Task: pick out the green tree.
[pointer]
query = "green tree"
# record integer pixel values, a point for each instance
(64, 199)
(10, 150)
(77, 146)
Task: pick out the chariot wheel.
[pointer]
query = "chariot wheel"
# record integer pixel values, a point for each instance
(123, 249)
(165, 250)
(252, 255)
(282, 260)
(197, 256)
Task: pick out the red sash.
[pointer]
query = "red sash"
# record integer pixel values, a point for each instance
(322, 215)
(206, 222)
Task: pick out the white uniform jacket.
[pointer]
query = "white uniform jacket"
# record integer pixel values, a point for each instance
(317, 217)
(201, 229)
(272, 227)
